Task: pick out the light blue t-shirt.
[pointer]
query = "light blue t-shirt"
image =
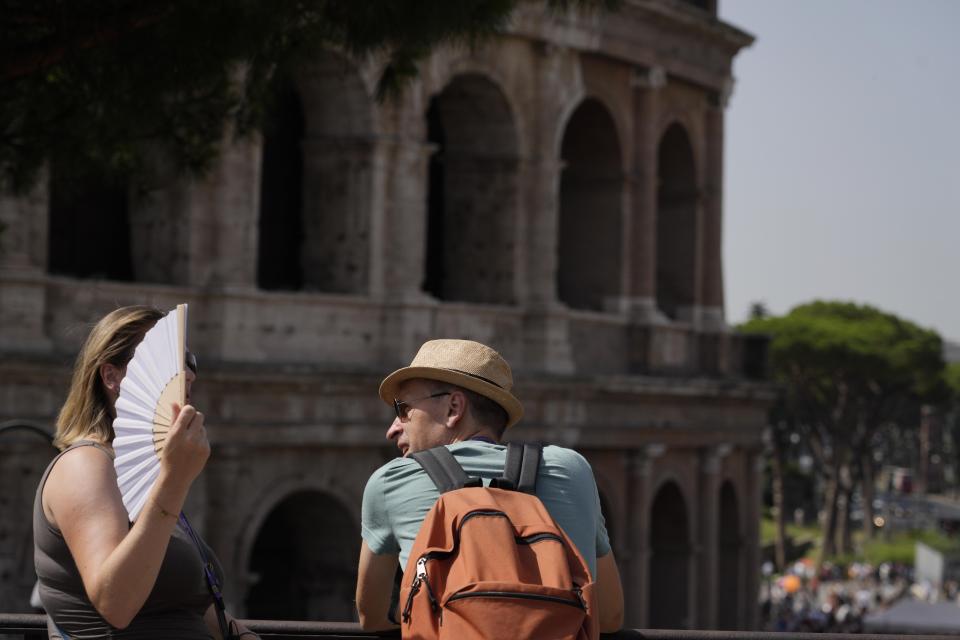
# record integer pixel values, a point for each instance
(400, 493)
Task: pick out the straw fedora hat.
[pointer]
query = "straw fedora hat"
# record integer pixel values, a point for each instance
(465, 363)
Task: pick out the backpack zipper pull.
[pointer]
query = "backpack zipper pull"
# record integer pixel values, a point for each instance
(423, 579)
(579, 593)
(422, 568)
(415, 588)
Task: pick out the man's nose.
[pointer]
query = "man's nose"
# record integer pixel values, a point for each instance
(395, 429)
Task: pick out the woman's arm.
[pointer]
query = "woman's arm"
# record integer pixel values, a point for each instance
(119, 565)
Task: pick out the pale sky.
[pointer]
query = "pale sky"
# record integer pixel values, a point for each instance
(843, 157)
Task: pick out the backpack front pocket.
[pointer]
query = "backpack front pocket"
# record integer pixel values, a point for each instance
(512, 610)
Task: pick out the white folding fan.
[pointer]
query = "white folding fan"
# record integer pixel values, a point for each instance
(155, 379)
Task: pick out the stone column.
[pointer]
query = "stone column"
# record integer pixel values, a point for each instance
(23, 265)
(408, 311)
(337, 189)
(542, 191)
(708, 543)
(547, 341)
(750, 616)
(641, 296)
(711, 263)
(225, 244)
(405, 219)
(636, 564)
(221, 521)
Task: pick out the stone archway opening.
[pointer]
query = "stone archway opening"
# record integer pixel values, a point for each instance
(304, 561)
(730, 551)
(89, 217)
(590, 229)
(676, 225)
(281, 190)
(472, 193)
(670, 556)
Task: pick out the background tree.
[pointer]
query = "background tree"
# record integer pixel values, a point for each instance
(100, 84)
(847, 370)
(952, 416)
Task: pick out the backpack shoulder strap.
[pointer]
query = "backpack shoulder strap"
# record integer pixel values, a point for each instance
(520, 468)
(443, 469)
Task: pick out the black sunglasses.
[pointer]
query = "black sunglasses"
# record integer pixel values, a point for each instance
(191, 361)
(402, 407)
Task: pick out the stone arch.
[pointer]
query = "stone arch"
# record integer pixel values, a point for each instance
(303, 560)
(472, 193)
(330, 239)
(89, 224)
(729, 559)
(491, 70)
(677, 203)
(670, 558)
(590, 228)
(277, 489)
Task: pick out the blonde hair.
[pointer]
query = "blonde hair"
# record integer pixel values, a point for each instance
(87, 412)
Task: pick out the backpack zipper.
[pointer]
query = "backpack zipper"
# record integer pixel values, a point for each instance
(537, 537)
(420, 579)
(578, 603)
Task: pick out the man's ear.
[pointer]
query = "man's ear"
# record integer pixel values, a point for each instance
(111, 375)
(456, 409)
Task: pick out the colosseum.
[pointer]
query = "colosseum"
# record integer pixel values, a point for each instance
(555, 192)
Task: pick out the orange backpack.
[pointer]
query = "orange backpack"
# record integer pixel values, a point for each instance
(490, 562)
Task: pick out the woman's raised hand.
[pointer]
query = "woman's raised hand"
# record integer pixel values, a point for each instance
(186, 448)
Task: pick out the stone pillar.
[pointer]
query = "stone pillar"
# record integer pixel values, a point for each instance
(23, 263)
(220, 521)
(706, 579)
(542, 190)
(711, 263)
(337, 181)
(547, 341)
(636, 564)
(640, 293)
(750, 616)
(408, 311)
(225, 219)
(405, 219)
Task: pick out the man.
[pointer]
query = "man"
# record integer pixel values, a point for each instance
(458, 393)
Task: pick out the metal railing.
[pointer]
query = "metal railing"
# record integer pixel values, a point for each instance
(33, 626)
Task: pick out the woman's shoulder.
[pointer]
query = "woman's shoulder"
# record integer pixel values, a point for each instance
(76, 474)
(84, 457)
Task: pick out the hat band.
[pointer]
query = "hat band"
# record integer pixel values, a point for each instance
(473, 375)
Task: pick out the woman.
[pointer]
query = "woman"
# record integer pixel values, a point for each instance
(101, 576)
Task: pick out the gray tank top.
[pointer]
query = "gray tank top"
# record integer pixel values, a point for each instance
(174, 608)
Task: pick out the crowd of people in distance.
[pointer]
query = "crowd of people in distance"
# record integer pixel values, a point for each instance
(834, 599)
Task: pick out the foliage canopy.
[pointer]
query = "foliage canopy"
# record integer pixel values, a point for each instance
(98, 83)
(831, 347)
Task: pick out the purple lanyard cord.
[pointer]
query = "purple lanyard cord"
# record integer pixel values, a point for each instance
(213, 583)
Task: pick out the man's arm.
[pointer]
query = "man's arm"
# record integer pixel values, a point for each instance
(374, 588)
(609, 594)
